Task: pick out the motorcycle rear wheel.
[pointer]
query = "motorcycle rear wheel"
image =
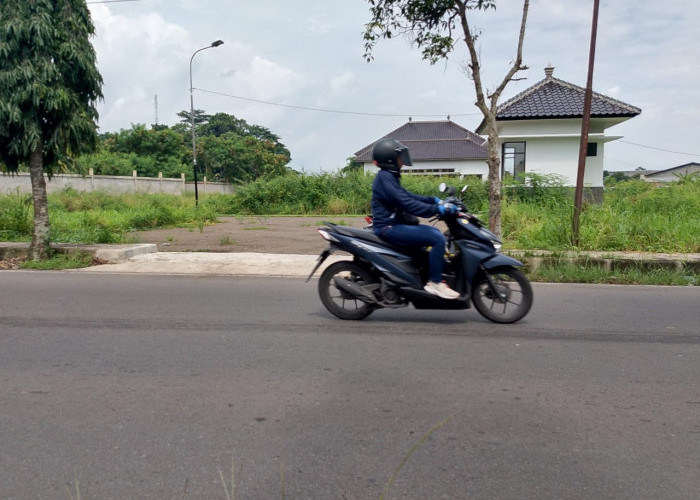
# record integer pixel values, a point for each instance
(513, 300)
(339, 302)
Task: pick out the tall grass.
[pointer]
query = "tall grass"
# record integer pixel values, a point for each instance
(98, 217)
(634, 216)
(15, 216)
(324, 194)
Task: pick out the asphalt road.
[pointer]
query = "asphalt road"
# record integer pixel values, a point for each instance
(142, 386)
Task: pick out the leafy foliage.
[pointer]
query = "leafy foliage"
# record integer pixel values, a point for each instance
(49, 82)
(228, 149)
(428, 24)
(148, 151)
(49, 85)
(235, 158)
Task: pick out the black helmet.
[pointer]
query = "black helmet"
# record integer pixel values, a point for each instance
(387, 152)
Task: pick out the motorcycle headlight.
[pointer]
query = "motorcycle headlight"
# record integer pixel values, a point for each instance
(497, 244)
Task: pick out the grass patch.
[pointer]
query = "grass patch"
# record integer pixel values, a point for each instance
(643, 273)
(536, 215)
(57, 261)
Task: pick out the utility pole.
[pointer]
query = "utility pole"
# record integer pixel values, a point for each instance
(585, 122)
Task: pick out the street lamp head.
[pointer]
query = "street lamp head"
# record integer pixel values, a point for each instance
(217, 43)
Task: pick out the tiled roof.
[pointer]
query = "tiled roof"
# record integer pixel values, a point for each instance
(554, 98)
(434, 140)
(687, 168)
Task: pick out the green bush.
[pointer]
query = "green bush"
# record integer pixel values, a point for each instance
(15, 216)
(345, 193)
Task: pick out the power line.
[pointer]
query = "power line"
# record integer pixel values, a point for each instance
(660, 149)
(113, 1)
(335, 111)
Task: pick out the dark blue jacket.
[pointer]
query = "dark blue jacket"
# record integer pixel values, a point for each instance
(389, 199)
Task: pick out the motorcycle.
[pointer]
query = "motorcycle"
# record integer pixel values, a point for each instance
(383, 275)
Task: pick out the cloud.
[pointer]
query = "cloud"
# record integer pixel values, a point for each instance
(265, 78)
(309, 54)
(135, 55)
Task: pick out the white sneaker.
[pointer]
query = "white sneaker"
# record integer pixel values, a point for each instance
(441, 290)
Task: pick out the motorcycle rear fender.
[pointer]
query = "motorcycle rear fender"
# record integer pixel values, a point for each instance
(396, 266)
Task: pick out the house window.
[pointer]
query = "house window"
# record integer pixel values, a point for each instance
(428, 171)
(592, 149)
(513, 162)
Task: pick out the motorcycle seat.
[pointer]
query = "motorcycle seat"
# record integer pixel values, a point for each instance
(368, 235)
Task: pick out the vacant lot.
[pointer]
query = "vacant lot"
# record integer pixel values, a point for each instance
(291, 235)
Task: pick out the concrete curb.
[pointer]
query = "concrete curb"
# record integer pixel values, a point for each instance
(144, 258)
(611, 261)
(217, 264)
(109, 253)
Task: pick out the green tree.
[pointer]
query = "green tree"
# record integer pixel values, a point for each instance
(235, 158)
(49, 85)
(200, 117)
(432, 26)
(152, 150)
(221, 123)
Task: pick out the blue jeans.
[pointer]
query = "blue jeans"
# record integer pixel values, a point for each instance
(419, 236)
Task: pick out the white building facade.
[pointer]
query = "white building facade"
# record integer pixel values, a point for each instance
(540, 131)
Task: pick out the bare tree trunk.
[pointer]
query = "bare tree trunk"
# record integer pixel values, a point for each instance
(39, 247)
(487, 104)
(494, 163)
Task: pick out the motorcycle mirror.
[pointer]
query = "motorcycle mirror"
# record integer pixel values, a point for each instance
(464, 189)
(442, 187)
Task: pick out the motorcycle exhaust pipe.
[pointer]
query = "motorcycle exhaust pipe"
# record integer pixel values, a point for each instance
(354, 290)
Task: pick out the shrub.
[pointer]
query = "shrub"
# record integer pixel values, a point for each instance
(15, 216)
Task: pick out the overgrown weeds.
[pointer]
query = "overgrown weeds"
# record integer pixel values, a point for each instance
(15, 216)
(536, 213)
(71, 260)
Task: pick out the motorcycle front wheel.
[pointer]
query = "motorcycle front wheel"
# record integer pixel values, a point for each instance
(512, 298)
(338, 301)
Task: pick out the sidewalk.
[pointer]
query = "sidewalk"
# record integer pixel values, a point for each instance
(210, 263)
(144, 258)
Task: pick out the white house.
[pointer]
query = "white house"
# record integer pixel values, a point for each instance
(437, 148)
(540, 130)
(672, 174)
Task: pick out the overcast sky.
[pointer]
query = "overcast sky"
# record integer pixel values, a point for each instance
(309, 54)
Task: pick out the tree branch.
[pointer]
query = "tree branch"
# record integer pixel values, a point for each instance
(517, 63)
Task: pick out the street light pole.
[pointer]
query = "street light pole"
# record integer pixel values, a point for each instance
(194, 137)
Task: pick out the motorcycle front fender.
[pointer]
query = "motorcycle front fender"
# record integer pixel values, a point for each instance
(500, 260)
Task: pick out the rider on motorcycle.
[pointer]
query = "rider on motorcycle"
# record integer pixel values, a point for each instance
(394, 211)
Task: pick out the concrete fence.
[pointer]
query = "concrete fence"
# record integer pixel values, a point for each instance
(113, 184)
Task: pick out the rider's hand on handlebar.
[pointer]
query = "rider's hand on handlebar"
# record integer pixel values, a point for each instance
(447, 208)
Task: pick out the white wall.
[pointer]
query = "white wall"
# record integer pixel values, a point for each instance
(552, 147)
(111, 184)
(560, 156)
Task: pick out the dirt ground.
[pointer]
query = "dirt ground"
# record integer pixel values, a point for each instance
(286, 235)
